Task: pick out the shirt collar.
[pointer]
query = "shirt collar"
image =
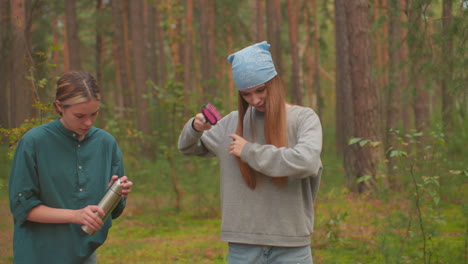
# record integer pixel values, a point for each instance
(70, 134)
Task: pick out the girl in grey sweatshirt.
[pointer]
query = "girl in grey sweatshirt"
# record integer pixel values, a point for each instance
(269, 156)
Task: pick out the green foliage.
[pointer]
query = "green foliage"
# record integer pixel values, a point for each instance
(128, 137)
(13, 135)
(364, 178)
(364, 142)
(333, 228)
(421, 162)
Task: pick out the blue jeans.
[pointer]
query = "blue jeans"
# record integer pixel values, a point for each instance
(257, 254)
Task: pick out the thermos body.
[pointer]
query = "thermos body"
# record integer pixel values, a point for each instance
(107, 203)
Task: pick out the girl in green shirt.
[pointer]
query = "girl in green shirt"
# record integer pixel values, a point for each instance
(60, 172)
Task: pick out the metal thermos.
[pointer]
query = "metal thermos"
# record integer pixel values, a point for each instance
(107, 203)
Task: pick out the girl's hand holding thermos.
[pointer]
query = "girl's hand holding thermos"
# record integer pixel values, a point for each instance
(118, 188)
(90, 217)
(126, 185)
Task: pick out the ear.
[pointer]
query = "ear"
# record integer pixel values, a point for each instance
(58, 106)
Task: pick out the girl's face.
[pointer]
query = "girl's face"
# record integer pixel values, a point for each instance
(256, 97)
(79, 118)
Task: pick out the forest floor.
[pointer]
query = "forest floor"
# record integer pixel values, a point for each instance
(349, 229)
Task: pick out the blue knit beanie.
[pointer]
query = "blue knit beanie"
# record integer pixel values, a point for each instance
(252, 66)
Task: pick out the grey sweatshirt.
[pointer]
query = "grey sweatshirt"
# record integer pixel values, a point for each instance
(267, 215)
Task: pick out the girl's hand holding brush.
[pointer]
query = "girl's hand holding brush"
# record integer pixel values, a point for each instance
(208, 117)
(200, 124)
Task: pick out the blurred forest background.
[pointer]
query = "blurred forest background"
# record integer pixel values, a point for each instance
(387, 77)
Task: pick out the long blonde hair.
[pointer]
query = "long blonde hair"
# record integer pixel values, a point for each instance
(274, 127)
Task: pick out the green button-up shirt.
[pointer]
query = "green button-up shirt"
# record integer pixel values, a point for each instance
(51, 167)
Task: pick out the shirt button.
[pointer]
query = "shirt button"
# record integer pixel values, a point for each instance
(79, 167)
(74, 135)
(78, 145)
(81, 189)
(20, 194)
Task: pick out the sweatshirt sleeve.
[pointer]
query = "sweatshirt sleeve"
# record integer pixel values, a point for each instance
(210, 142)
(23, 184)
(301, 160)
(190, 141)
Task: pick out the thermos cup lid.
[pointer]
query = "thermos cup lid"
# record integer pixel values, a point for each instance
(117, 187)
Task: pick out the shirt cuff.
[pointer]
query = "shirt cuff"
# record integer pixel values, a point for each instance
(118, 210)
(21, 205)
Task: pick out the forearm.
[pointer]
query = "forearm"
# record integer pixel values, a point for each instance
(189, 141)
(45, 214)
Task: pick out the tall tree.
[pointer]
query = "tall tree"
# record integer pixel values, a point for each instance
(124, 93)
(139, 66)
(344, 113)
(293, 21)
(365, 100)
(161, 62)
(73, 41)
(21, 91)
(188, 77)
(4, 67)
(381, 46)
(273, 9)
(418, 50)
(406, 110)
(207, 44)
(316, 64)
(175, 34)
(259, 20)
(447, 54)
(99, 41)
(306, 50)
(151, 33)
(393, 96)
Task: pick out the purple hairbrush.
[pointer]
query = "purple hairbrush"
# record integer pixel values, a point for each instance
(212, 115)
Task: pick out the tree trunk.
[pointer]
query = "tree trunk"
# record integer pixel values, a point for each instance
(273, 9)
(296, 88)
(139, 66)
(100, 55)
(417, 49)
(307, 56)
(207, 43)
(5, 49)
(316, 65)
(99, 43)
(130, 91)
(406, 115)
(21, 91)
(162, 69)
(447, 54)
(344, 113)
(188, 57)
(124, 84)
(393, 95)
(259, 20)
(73, 42)
(365, 107)
(152, 55)
(56, 53)
(381, 55)
(175, 37)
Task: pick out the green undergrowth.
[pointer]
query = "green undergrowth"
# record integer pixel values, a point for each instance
(173, 215)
